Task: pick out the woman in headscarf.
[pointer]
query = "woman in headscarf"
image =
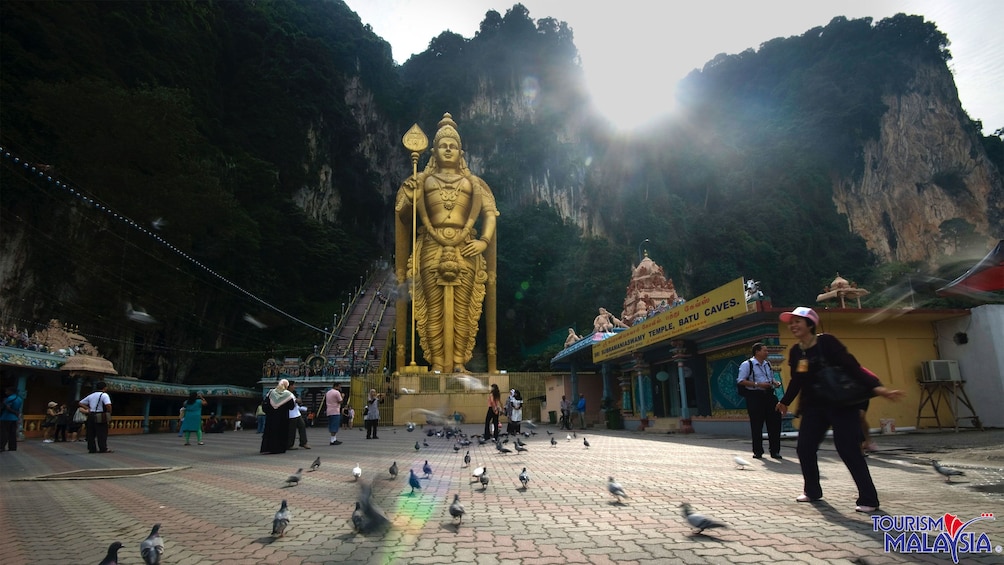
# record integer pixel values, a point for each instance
(278, 402)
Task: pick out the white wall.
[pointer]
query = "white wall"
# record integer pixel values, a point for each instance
(981, 361)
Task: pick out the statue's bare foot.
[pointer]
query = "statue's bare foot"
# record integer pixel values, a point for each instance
(459, 369)
(437, 368)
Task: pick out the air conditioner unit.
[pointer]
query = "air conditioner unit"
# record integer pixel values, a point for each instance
(940, 370)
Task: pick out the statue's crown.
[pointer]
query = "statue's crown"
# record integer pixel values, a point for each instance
(447, 128)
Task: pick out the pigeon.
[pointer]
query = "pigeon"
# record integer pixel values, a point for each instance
(294, 479)
(372, 517)
(280, 521)
(251, 320)
(554, 442)
(549, 432)
(457, 509)
(741, 462)
(112, 557)
(568, 437)
(575, 435)
(520, 448)
(467, 458)
(427, 469)
(357, 472)
(407, 390)
(616, 489)
(410, 427)
(530, 424)
(524, 477)
(470, 383)
(456, 447)
(393, 470)
(501, 449)
(699, 521)
(519, 442)
(417, 447)
(152, 548)
(484, 480)
(425, 443)
(585, 442)
(139, 316)
(413, 481)
(358, 518)
(947, 472)
(158, 224)
(315, 464)
(477, 474)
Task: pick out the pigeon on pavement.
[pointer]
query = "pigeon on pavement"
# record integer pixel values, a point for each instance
(410, 427)
(294, 479)
(112, 557)
(467, 458)
(484, 480)
(741, 462)
(417, 447)
(413, 481)
(427, 469)
(357, 472)
(524, 477)
(699, 521)
(616, 489)
(568, 437)
(520, 447)
(358, 518)
(585, 442)
(280, 521)
(554, 442)
(152, 548)
(373, 517)
(476, 474)
(393, 470)
(947, 472)
(315, 464)
(457, 509)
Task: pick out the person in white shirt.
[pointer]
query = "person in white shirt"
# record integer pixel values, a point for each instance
(296, 423)
(757, 378)
(99, 414)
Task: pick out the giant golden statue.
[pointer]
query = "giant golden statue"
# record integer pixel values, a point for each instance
(452, 213)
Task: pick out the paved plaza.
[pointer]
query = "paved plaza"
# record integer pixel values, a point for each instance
(216, 502)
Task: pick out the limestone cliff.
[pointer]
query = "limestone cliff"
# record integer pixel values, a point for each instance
(927, 168)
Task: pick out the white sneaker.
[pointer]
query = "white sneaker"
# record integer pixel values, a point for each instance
(46, 441)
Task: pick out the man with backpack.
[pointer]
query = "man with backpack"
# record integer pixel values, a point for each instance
(756, 384)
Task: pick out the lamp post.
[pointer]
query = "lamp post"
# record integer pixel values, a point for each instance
(639, 250)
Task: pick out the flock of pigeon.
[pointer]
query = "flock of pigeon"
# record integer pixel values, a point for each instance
(368, 517)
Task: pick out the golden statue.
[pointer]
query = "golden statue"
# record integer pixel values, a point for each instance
(456, 259)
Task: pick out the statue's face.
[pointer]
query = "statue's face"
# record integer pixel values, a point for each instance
(448, 151)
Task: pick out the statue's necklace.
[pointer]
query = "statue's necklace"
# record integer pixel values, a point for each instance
(449, 189)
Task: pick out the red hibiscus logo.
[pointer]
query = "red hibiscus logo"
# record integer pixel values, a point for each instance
(952, 524)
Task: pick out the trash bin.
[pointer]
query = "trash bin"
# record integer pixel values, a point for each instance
(552, 417)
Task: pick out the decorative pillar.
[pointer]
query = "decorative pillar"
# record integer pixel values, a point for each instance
(679, 355)
(146, 413)
(574, 378)
(604, 372)
(627, 405)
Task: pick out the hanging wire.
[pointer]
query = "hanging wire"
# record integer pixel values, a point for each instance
(42, 172)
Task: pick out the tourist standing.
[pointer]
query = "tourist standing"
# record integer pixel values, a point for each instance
(99, 414)
(333, 408)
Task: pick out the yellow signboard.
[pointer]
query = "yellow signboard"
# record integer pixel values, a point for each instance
(726, 301)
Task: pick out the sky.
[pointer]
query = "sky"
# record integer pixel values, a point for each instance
(677, 37)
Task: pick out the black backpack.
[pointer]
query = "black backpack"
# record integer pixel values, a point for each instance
(741, 389)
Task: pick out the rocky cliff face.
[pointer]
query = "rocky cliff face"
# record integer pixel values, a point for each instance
(926, 169)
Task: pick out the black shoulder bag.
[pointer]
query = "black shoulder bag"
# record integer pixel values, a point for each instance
(741, 389)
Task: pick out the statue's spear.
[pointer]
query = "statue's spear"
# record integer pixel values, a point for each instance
(415, 141)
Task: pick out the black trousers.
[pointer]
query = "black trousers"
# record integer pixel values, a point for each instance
(846, 423)
(8, 435)
(491, 418)
(371, 428)
(97, 435)
(760, 406)
(297, 425)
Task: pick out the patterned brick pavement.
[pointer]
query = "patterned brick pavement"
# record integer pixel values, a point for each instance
(217, 506)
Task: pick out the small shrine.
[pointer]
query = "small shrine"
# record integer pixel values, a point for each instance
(843, 289)
(648, 293)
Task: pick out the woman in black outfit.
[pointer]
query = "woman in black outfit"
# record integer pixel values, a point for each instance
(805, 360)
(492, 416)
